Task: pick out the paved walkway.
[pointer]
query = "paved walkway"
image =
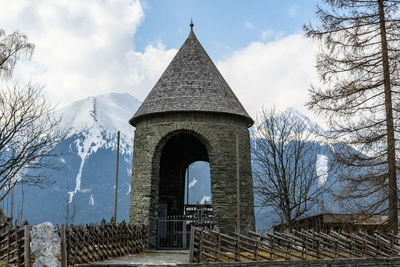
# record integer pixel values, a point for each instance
(150, 258)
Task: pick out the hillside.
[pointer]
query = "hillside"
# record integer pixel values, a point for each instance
(85, 176)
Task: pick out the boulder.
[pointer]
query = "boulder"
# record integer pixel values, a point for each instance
(45, 245)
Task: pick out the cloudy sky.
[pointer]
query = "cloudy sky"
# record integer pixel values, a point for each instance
(92, 47)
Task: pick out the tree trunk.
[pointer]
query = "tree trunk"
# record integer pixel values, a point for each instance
(391, 156)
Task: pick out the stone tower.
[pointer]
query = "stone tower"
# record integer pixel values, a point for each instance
(191, 114)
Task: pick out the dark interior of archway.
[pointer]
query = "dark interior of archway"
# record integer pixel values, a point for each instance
(178, 153)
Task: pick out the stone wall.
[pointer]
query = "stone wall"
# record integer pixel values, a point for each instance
(218, 133)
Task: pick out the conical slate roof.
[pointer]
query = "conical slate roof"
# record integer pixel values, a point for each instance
(191, 82)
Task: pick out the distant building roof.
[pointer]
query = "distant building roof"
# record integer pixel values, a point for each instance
(191, 82)
(338, 221)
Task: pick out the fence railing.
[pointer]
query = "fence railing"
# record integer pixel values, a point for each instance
(96, 242)
(15, 245)
(209, 245)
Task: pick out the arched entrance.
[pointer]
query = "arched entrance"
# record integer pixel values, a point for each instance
(178, 153)
(175, 153)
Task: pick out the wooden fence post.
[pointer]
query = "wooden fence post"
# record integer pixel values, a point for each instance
(318, 247)
(63, 247)
(8, 244)
(27, 246)
(191, 244)
(17, 245)
(201, 246)
(237, 249)
(219, 245)
(306, 243)
(271, 242)
(256, 249)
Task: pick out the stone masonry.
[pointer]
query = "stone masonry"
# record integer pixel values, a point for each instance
(218, 133)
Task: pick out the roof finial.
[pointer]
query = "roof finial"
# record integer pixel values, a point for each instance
(191, 24)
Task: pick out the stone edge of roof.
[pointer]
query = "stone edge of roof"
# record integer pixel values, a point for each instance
(133, 121)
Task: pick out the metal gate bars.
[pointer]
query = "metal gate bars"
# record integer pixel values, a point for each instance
(174, 231)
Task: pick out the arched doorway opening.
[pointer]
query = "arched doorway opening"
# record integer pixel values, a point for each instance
(178, 153)
(198, 183)
(184, 182)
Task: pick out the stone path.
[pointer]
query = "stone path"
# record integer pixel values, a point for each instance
(149, 258)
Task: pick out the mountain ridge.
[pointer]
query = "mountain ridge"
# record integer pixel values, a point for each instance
(86, 179)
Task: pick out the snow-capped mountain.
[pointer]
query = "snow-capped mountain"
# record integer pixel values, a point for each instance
(293, 115)
(96, 120)
(84, 182)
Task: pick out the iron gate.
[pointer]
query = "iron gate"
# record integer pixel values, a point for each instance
(174, 231)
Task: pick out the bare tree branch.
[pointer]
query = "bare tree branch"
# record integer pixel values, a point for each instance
(13, 47)
(28, 129)
(284, 159)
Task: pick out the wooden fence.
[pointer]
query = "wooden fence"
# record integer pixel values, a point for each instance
(94, 242)
(15, 245)
(209, 245)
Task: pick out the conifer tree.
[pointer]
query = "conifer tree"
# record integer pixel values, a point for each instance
(359, 94)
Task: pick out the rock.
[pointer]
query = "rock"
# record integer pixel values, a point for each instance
(45, 245)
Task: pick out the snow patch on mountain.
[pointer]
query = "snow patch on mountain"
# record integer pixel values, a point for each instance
(193, 182)
(90, 141)
(91, 200)
(311, 130)
(293, 115)
(95, 122)
(100, 118)
(321, 167)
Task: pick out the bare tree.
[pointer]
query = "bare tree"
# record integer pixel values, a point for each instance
(12, 47)
(359, 94)
(71, 211)
(70, 208)
(28, 130)
(284, 166)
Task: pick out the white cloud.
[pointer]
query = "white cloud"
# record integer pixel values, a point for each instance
(249, 25)
(277, 72)
(293, 10)
(267, 34)
(84, 47)
(87, 48)
(205, 200)
(129, 189)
